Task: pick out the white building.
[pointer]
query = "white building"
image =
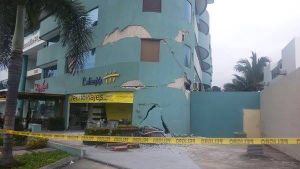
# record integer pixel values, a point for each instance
(289, 62)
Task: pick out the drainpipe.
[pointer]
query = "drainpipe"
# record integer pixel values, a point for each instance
(22, 85)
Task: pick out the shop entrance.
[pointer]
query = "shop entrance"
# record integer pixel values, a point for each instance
(94, 115)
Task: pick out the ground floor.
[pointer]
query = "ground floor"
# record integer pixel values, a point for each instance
(162, 108)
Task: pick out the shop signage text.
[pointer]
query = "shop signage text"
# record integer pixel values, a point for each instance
(92, 81)
(95, 81)
(107, 97)
(41, 87)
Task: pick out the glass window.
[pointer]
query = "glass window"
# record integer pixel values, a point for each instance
(150, 50)
(50, 71)
(90, 58)
(151, 5)
(188, 11)
(93, 15)
(187, 56)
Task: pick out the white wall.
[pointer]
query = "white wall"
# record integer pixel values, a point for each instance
(297, 46)
(280, 111)
(289, 57)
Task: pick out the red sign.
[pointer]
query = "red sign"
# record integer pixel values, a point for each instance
(41, 87)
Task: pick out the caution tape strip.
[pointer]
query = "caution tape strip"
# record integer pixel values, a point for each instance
(158, 140)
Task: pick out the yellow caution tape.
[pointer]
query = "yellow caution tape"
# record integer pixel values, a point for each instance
(157, 140)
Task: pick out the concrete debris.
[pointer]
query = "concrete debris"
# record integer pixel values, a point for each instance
(181, 36)
(120, 148)
(134, 84)
(128, 32)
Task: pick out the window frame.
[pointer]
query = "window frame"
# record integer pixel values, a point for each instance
(48, 68)
(147, 58)
(151, 9)
(91, 51)
(95, 23)
(189, 64)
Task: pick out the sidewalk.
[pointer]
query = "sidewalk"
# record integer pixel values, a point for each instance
(146, 157)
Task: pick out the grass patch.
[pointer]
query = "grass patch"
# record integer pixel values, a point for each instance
(40, 159)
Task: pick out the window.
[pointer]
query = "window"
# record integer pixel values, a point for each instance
(150, 50)
(50, 71)
(93, 15)
(187, 56)
(53, 40)
(90, 59)
(188, 11)
(151, 5)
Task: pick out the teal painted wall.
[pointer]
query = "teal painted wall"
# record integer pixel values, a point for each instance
(220, 114)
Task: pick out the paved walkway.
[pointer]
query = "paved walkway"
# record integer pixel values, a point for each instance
(146, 157)
(234, 157)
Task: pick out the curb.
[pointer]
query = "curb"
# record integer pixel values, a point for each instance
(75, 151)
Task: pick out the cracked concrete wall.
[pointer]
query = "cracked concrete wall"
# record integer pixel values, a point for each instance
(128, 32)
(172, 107)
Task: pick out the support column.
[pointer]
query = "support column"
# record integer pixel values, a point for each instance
(22, 85)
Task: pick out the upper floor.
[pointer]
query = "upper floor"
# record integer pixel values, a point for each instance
(160, 39)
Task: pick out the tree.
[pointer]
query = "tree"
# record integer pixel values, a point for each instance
(17, 16)
(216, 89)
(251, 74)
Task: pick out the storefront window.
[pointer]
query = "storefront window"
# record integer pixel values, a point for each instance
(50, 71)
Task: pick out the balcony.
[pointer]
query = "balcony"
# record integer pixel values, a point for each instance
(206, 78)
(200, 6)
(203, 23)
(203, 46)
(50, 54)
(48, 27)
(34, 74)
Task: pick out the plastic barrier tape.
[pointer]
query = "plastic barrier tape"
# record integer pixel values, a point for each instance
(158, 140)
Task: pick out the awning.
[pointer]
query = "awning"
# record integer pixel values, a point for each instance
(34, 96)
(105, 97)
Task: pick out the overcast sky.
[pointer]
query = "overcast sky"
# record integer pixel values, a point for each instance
(240, 26)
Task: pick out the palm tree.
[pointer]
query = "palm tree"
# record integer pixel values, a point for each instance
(17, 16)
(252, 74)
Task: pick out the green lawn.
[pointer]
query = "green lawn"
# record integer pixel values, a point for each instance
(37, 160)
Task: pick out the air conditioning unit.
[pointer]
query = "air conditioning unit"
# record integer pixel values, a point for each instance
(196, 86)
(282, 72)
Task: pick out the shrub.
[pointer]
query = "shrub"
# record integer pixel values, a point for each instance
(19, 140)
(120, 131)
(56, 124)
(36, 143)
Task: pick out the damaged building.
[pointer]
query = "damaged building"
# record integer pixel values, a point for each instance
(146, 58)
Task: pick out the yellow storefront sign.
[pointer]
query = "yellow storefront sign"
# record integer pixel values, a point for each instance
(106, 97)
